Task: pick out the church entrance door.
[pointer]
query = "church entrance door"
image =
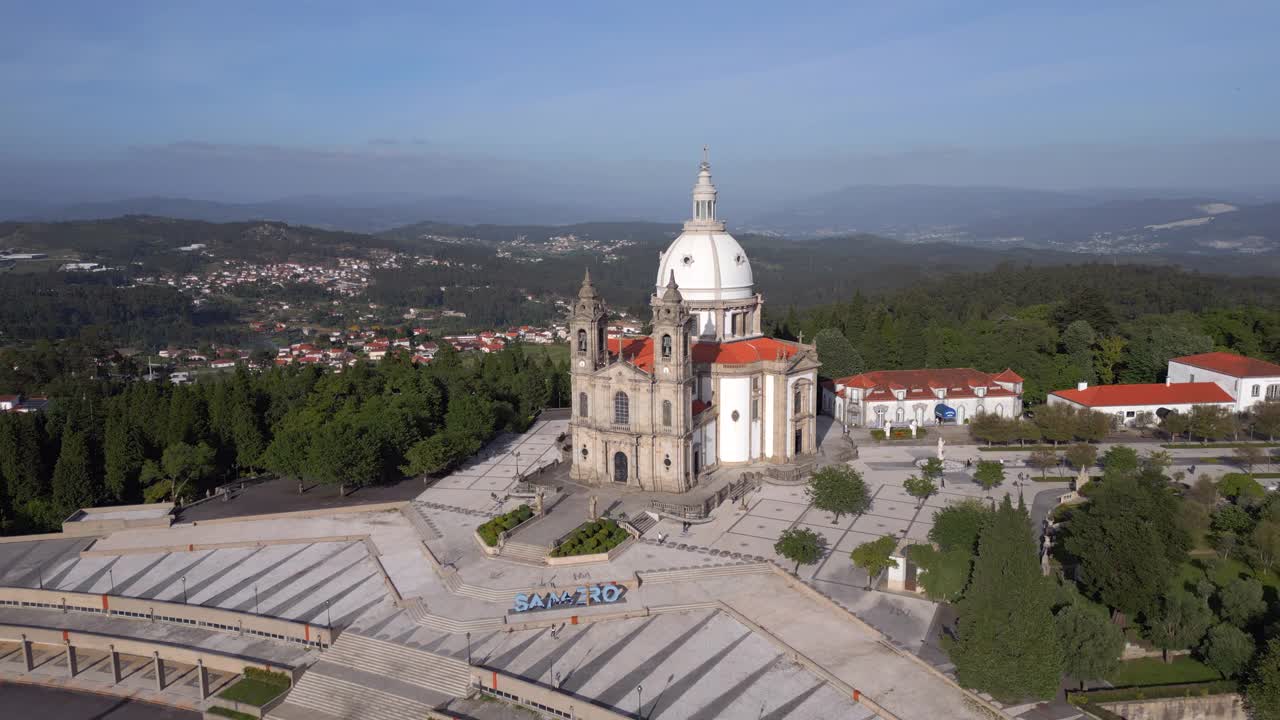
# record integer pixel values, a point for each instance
(620, 467)
(799, 441)
(697, 461)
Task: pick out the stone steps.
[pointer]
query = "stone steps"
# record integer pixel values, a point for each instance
(401, 662)
(525, 552)
(453, 582)
(419, 614)
(686, 607)
(643, 523)
(674, 576)
(334, 697)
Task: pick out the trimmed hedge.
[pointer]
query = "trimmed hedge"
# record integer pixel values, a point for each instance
(591, 538)
(489, 531)
(269, 677)
(1153, 692)
(899, 434)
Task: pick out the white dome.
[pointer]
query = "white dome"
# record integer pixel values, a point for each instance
(708, 265)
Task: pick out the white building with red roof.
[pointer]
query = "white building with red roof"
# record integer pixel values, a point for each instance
(1129, 402)
(930, 396)
(1248, 380)
(704, 390)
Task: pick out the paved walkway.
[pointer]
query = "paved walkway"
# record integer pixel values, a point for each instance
(33, 702)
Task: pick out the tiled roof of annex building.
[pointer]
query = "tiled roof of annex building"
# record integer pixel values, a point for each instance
(639, 351)
(1147, 394)
(924, 384)
(1231, 364)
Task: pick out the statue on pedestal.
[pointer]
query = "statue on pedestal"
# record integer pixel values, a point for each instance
(591, 507)
(913, 428)
(942, 448)
(538, 506)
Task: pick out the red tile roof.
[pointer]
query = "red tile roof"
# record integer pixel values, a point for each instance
(698, 406)
(637, 350)
(743, 351)
(1147, 394)
(1231, 364)
(921, 384)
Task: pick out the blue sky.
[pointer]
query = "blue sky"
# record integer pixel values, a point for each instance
(252, 100)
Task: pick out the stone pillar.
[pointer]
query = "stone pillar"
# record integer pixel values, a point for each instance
(202, 674)
(71, 660)
(159, 664)
(28, 661)
(115, 665)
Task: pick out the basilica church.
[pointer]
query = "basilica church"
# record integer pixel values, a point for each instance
(705, 389)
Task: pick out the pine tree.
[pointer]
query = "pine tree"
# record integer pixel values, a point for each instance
(1006, 642)
(122, 458)
(74, 483)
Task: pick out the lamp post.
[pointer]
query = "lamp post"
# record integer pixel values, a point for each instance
(517, 464)
(255, 599)
(184, 589)
(41, 571)
(468, 648)
(111, 573)
(328, 618)
(639, 703)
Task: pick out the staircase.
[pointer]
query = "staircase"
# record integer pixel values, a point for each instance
(418, 612)
(643, 523)
(660, 577)
(524, 552)
(319, 697)
(401, 662)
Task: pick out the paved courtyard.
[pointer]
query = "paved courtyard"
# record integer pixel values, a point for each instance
(493, 471)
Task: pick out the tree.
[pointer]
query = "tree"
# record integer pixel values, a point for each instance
(1157, 462)
(838, 356)
(1091, 643)
(1006, 643)
(957, 526)
(1043, 459)
(1082, 456)
(1227, 649)
(874, 557)
(932, 469)
(1128, 543)
(183, 464)
(1210, 422)
(1238, 487)
(1119, 461)
(74, 483)
(1249, 455)
(1105, 358)
(1241, 601)
(122, 458)
(1266, 418)
(1266, 544)
(1078, 339)
(1057, 423)
(942, 575)
(1092, 425)
(1204, 491)
(920, 488)
(1180, 622)
(1176, 423)
(430, 456)
(989, 474)
(1262, 689)
(801, 546)
(839, 489)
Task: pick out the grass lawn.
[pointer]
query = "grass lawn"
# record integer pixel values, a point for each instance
(1224, 572)
(251, 692)
(1154, 671)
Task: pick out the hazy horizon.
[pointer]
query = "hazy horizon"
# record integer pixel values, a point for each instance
(607, 107)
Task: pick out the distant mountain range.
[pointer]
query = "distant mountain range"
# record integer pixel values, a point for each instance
(1094, 221)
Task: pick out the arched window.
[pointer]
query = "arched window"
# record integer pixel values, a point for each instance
(621, 409)
(582, 405)
(666, 346)
(666, 413)
(797, 401)
(582, 341)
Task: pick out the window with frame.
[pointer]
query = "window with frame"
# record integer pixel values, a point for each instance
(1257, 390)
(797, 402)
(582, 341)
(666, 413)
(582, 404)
(666, 346)
(621, 409)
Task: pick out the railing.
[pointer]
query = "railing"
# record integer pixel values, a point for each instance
(733, 491)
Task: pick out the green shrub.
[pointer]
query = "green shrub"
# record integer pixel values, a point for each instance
(506, 522)
(270, 677)
(598, 536)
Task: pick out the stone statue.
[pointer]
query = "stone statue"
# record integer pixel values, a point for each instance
(538, 507)
(591, 507)
(942, 448)
(913, 427)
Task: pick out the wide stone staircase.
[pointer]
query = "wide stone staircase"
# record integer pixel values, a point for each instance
(659, 577)
(524, 552)
(643, 523)
(419, 613)
(362, 677)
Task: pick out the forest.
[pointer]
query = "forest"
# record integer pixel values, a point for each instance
(1055, 326)
(105, 442)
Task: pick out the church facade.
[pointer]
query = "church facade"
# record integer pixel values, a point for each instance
(705, 389)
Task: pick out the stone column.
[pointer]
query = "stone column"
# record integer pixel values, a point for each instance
(159, 664)
(71, 660)
(115, 665)
(28, 660)
(202, 673)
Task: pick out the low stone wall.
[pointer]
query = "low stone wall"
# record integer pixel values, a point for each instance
(514, 689)
(1212, 707)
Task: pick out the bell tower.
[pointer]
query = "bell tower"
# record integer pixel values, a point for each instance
(673, 327)
(587, 330)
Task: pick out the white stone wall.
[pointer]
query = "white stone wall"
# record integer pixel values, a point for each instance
(1239, 388)
(769, 394)
(735, 438)
(1122, 412)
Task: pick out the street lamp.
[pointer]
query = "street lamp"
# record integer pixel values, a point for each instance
(639, 703)
(468, 648)
(255, 599)
(184, 589)
(112, 574)
(327, 616)
(517, 463)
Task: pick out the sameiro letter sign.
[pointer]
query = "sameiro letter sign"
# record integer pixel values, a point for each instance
(588, 595)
